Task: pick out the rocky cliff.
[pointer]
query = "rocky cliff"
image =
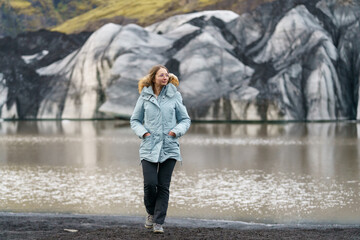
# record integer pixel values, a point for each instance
(287, 60)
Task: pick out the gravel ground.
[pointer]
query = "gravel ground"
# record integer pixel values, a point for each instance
(69, 226)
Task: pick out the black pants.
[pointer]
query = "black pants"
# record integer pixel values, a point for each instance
(157, 178)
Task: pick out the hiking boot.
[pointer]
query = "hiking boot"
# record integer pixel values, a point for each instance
(158, 228)
(149, 221)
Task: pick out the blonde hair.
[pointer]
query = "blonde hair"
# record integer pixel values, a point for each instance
(148, 80)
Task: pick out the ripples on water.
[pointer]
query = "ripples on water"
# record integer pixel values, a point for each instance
(226, 194)
(247, 176)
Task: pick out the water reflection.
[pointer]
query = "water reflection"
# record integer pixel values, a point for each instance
(252, 172)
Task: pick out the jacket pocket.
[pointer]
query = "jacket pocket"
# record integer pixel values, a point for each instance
(171, 143)
(147, 144)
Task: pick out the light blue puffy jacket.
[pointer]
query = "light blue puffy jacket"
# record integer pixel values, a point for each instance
(159, 117)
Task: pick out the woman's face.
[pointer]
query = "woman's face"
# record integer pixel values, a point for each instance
(161, 77)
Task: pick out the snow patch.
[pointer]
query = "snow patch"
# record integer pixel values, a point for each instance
(35, 57)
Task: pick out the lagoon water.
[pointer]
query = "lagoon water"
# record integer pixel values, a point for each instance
(267, 173)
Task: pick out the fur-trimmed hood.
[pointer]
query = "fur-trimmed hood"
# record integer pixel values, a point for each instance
(145, 81)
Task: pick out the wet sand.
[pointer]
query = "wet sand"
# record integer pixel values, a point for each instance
(70, 226)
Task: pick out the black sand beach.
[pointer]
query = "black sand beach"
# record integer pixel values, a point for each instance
(69, 226)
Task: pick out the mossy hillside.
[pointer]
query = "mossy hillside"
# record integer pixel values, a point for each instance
(143, 11)
(146, 12)
(71, 16)
(17, 7)
(207, 2)
(72, 8)
(30, 8)
(19, 4)
(29, 15)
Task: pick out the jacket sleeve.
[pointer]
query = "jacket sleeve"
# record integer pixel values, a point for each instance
(182, 117)
(137, 119)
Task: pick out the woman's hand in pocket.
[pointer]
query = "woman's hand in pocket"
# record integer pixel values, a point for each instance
(172, 134)
(146, 135)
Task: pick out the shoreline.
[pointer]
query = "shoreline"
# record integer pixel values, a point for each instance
(82, 226)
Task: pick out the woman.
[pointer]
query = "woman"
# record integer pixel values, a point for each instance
(159, 119)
